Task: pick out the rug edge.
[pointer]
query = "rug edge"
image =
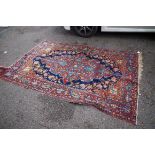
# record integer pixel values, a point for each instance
(140, 70)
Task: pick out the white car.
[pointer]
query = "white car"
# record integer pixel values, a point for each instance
(87, 31)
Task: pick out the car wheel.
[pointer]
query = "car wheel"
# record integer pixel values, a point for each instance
(85, 31)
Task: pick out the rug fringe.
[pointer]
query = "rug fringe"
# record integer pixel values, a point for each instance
(140, 70)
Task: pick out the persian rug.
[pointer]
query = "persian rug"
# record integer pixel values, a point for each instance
(105, 79)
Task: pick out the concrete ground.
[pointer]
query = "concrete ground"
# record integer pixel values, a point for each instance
(22, 108)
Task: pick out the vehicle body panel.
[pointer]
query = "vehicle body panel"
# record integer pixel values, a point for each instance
(123, 28)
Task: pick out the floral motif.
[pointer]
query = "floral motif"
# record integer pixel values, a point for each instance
(43, 65)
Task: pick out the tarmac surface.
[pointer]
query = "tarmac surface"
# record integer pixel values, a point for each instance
(22, 108)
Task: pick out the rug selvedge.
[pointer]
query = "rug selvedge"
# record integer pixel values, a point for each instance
(81, 74)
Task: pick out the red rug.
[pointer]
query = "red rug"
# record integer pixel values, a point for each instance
(107, 80)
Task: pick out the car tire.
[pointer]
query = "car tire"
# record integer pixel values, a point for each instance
(85, 31)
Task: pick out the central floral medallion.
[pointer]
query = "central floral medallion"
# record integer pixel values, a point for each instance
(80, 70)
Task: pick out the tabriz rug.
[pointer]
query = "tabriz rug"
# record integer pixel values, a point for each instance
(105, 79)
